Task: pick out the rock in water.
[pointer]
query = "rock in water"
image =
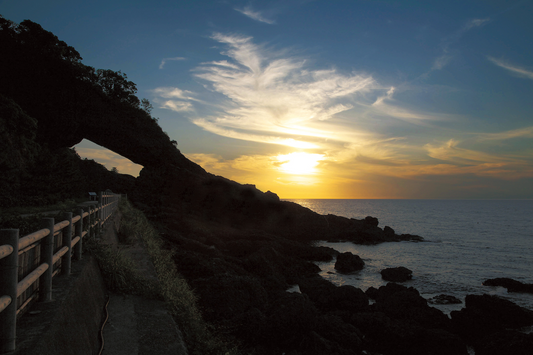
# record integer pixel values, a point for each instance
(510, 284)
(396, 274)
(444, 299)
(348, 262)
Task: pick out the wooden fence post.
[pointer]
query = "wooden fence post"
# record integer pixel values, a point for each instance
(92, 221)
(67, 241)
(100, 211)
(78, 249)
(8, 287)
(45, 284)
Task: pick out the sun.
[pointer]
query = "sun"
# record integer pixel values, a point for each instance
(299, 163)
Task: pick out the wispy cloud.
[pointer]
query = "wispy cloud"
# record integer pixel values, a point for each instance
(518, 71)
(165, 60)
(477, 22)
(447, 56)
(268, 95)
(175, 99)
(255, 15)
(386, 105)
(174, 93)
(177, 106)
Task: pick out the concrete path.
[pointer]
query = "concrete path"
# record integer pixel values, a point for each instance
(137, 325)
(140, 326)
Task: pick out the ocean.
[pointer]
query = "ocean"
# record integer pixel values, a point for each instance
(466, 242)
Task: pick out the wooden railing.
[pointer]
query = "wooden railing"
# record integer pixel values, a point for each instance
(28, 264)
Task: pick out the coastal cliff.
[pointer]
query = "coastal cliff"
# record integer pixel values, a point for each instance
(238, 247)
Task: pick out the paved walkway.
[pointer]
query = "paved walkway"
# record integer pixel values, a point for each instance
(137, 325)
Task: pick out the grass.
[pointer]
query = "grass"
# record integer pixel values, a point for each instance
(119, 271)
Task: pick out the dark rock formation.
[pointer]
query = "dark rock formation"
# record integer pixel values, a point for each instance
(507, 342)
(397, 274)
(348, 262)
(386, 335)
(371, 221)
(444, 299)
(510, 284)
(226, 296)
(329, 297)
(389, 231)
(486, 314)
(400, 302)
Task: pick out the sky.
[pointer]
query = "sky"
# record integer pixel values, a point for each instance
(323, 99)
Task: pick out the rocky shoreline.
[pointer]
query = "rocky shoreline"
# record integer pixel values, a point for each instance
(241, 250)
(241, 278)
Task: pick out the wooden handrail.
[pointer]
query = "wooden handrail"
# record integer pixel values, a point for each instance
(13, 248)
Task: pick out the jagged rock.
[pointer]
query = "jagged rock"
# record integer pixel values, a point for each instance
(271, 196)
(250, 325)
(396, 274)
(371, 221)
(389, 231)
(386, 335)
(348, 262)
(270, 266)
(507, 342)
(226, 296)
(510, 284)
(372, 292)
(486, 314)
(400, 302)
(335, 329)
(444, 299)
(290, 317)
(328, 297)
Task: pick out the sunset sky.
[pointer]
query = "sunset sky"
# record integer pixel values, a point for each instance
(323, 99)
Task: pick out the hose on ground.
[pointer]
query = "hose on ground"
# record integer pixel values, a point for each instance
(103, 325)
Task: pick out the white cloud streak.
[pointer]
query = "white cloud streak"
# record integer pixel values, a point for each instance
(255, 15)
(516, 70)
(165, 60)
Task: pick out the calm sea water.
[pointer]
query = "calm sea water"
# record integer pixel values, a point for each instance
(466, 242)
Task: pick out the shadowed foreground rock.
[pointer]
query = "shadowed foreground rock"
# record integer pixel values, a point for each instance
(397, 274)
(486, 315)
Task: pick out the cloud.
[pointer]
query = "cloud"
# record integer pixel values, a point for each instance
(477, 22)
(526, 132)
(451, 152)
(441, 61)
(268, 93)
(174, 93)
(177, 106)
(179, 99)
(518, 71)
(255, 15)
(165, 60)
(446, 57)
(383, 107)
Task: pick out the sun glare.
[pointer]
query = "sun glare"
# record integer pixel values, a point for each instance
(299, 163)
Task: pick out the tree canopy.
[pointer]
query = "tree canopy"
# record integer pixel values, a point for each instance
(47, 78)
